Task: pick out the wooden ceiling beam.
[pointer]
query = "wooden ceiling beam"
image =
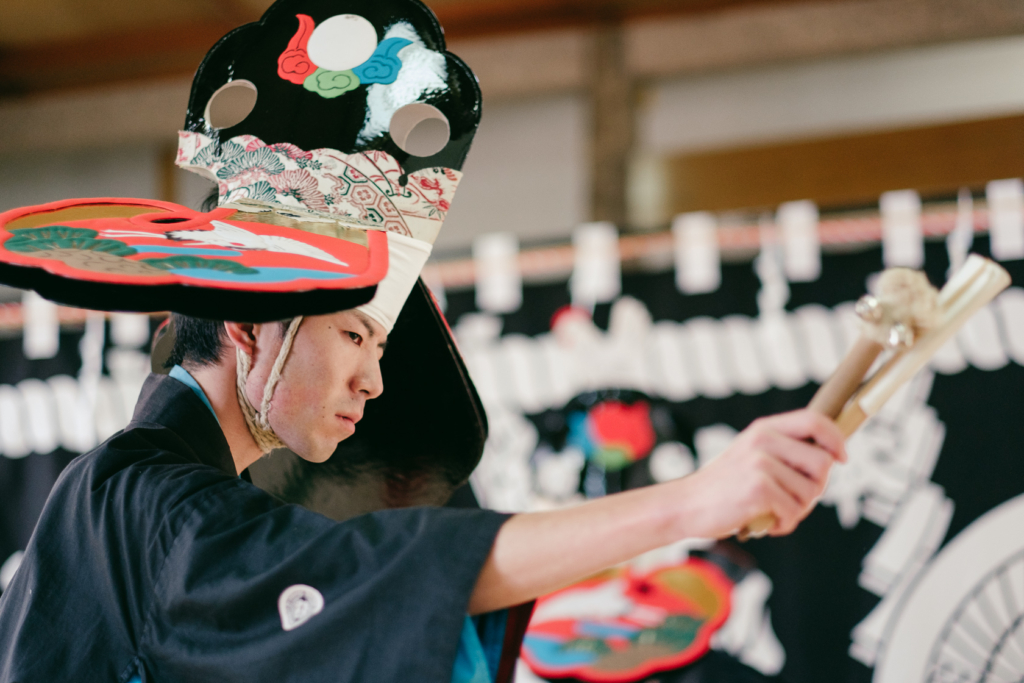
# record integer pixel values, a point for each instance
(153, 52)
(176, 50)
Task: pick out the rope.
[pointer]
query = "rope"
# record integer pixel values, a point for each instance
(257, 422)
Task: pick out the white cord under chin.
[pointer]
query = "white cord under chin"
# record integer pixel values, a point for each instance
(258, 422)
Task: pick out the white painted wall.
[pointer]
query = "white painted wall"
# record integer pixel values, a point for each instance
(878, 91)
(528, 173)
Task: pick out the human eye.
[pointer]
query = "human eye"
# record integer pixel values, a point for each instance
(356, 337)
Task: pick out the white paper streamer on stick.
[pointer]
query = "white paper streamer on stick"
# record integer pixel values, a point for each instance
(1006, 218)
(798, 222)
(596, 273)
(902, 239)
(698, 264)
(499, 285)
(959, 242)
(42, 328)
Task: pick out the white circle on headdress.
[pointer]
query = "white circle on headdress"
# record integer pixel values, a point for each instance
(230, 104)
(419, 129)
(342, 42)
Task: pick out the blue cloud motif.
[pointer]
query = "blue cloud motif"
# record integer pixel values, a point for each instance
(383, 65)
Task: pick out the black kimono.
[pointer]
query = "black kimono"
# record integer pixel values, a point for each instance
(152, 558)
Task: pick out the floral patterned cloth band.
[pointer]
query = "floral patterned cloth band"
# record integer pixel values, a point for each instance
(365, 187)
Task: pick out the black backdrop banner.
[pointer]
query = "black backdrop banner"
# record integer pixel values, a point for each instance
(932, 488)
(848, 582)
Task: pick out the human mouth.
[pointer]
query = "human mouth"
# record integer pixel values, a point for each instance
(349, 419)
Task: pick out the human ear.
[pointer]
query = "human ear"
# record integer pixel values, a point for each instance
(242, 336)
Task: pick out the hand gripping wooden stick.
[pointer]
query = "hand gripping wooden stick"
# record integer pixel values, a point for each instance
(905, 320)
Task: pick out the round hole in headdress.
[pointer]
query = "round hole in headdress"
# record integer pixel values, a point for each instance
(419, 129)
(342, 42)
(230, 104)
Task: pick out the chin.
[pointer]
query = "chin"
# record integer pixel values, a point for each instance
(313, 451)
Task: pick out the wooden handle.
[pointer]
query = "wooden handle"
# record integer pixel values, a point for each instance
(844, 382)
(830, 400)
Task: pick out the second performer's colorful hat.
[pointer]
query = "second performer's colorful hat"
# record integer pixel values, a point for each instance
(335, 131)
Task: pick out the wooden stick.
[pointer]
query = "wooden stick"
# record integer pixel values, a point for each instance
(829, 401)
(842, 397)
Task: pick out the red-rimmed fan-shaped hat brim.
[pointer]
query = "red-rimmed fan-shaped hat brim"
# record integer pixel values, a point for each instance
(145, 255)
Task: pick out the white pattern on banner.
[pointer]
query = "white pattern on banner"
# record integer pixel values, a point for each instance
(902, 238)
(663, 359)
(38, 416)
(1006, 218)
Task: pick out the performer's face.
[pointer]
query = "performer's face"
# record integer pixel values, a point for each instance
(333, 369)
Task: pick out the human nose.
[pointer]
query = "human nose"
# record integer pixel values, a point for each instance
(369, 381)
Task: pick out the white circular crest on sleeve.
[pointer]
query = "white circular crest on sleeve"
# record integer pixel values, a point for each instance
(298, 604)
(342, 42)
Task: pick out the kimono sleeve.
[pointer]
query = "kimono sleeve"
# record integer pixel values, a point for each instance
(255, 590)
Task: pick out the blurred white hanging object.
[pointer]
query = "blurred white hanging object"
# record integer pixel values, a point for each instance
(1006, 218)
(798, 222)
(432, 279)
(129, 330)
(698, 263)
(959, 242)
(902, 238)
(596, 273)
(774, 293)
(41, 336)
(499, 286)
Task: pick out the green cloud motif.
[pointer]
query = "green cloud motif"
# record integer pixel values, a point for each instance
(331, 84)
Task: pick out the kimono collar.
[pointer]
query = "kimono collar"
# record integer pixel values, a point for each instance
(167, 402)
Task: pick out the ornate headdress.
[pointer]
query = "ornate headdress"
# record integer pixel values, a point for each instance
(335, 131)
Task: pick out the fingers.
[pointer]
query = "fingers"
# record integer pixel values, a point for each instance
(787, 511)
(809, 425)
(803, 490)
(809, 459)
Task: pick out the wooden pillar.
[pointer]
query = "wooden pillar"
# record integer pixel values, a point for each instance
(167, 174)
(613, 101)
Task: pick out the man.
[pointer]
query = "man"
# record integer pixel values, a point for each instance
(154, 558)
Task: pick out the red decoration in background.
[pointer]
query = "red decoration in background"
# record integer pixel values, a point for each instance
(294, 64)
(623, 626)
(627, 427)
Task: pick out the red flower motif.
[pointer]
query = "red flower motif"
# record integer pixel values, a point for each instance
(627, 427)
(364, 195)
(428, 184)
(294, 64)
(254, 144)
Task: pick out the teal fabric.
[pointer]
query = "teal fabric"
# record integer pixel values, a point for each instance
(490, 629)
(471, 661)
(182, 375)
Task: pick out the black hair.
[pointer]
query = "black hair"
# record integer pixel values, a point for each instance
(197, 341)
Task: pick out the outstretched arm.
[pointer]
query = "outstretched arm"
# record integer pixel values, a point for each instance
(778, 464)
